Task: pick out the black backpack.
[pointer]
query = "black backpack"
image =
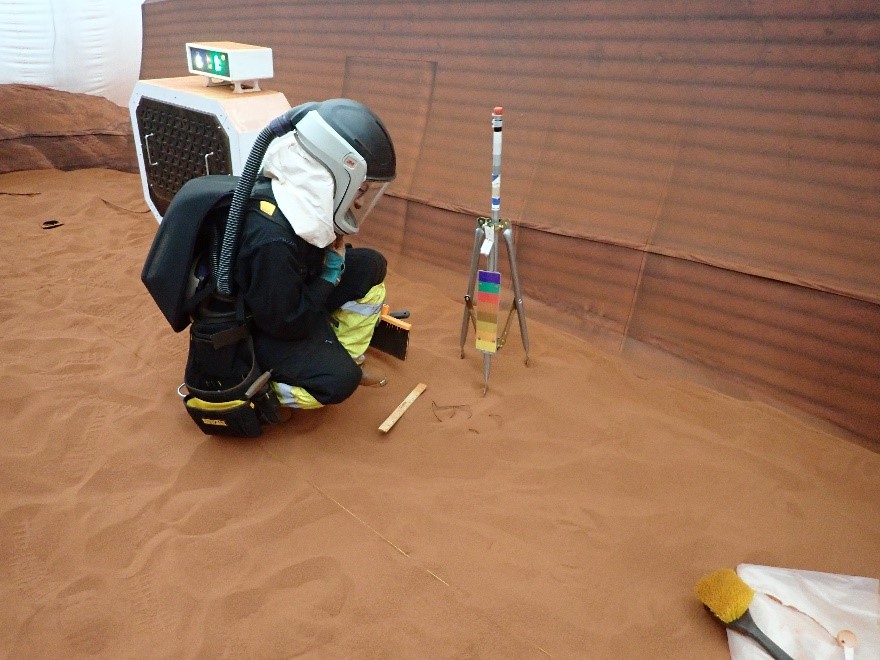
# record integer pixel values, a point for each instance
(226, 391)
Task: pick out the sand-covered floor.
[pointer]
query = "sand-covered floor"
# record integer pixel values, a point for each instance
(567, 513)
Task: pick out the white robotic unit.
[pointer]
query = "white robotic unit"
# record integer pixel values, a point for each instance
(204, 123)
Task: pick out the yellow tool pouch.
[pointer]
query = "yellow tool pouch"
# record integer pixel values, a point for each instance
(224, 390)
(237, 418)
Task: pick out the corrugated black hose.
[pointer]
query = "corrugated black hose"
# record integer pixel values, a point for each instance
(229, 249)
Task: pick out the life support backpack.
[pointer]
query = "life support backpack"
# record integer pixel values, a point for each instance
(188, 272)
(224, 390)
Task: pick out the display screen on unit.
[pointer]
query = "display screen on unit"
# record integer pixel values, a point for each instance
(212, 62)
(229, 61)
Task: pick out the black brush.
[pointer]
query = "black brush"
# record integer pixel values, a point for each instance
(391, 335)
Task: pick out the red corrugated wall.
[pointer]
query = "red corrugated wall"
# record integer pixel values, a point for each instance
(701, 176)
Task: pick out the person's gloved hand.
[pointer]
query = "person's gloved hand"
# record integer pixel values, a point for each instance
(334, 261)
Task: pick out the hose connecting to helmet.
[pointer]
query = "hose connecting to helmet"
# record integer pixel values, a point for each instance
(347, 138)
(229, 248)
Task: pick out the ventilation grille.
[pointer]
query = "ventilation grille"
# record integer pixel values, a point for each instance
(179, 144)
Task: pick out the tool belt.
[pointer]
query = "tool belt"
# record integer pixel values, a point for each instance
(224, 390)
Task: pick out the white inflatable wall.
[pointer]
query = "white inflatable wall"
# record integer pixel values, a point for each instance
(87, 46)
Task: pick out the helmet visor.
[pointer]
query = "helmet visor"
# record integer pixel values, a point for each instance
(366, 198)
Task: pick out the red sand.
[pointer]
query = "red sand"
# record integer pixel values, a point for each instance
(567, 513)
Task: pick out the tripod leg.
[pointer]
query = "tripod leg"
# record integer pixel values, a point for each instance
(487, 363)
(517, 293)
(472, 279)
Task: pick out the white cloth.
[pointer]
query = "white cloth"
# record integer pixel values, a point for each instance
(802, 611)
(84, 46)
(303, 189)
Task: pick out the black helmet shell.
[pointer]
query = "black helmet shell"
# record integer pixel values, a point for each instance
(363, 130)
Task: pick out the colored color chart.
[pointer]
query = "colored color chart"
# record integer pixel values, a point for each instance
(488, 298)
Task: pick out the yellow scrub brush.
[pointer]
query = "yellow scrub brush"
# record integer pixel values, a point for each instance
(728, 597)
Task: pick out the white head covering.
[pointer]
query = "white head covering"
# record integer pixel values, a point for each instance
(303, 188)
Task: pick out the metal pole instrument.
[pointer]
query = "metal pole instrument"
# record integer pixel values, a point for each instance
(487, 283)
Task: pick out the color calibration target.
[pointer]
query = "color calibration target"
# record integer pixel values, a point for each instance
(488, 298)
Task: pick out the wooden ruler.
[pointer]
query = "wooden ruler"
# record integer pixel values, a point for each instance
(398, 412)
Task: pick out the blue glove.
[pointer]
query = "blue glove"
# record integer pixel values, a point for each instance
(334, 265)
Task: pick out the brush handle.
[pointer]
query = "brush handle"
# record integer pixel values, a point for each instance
(747, 626)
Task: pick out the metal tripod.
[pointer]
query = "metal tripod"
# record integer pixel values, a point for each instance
(485, 243)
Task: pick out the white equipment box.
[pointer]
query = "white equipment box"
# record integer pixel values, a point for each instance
(230, 62)
(186, 127)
